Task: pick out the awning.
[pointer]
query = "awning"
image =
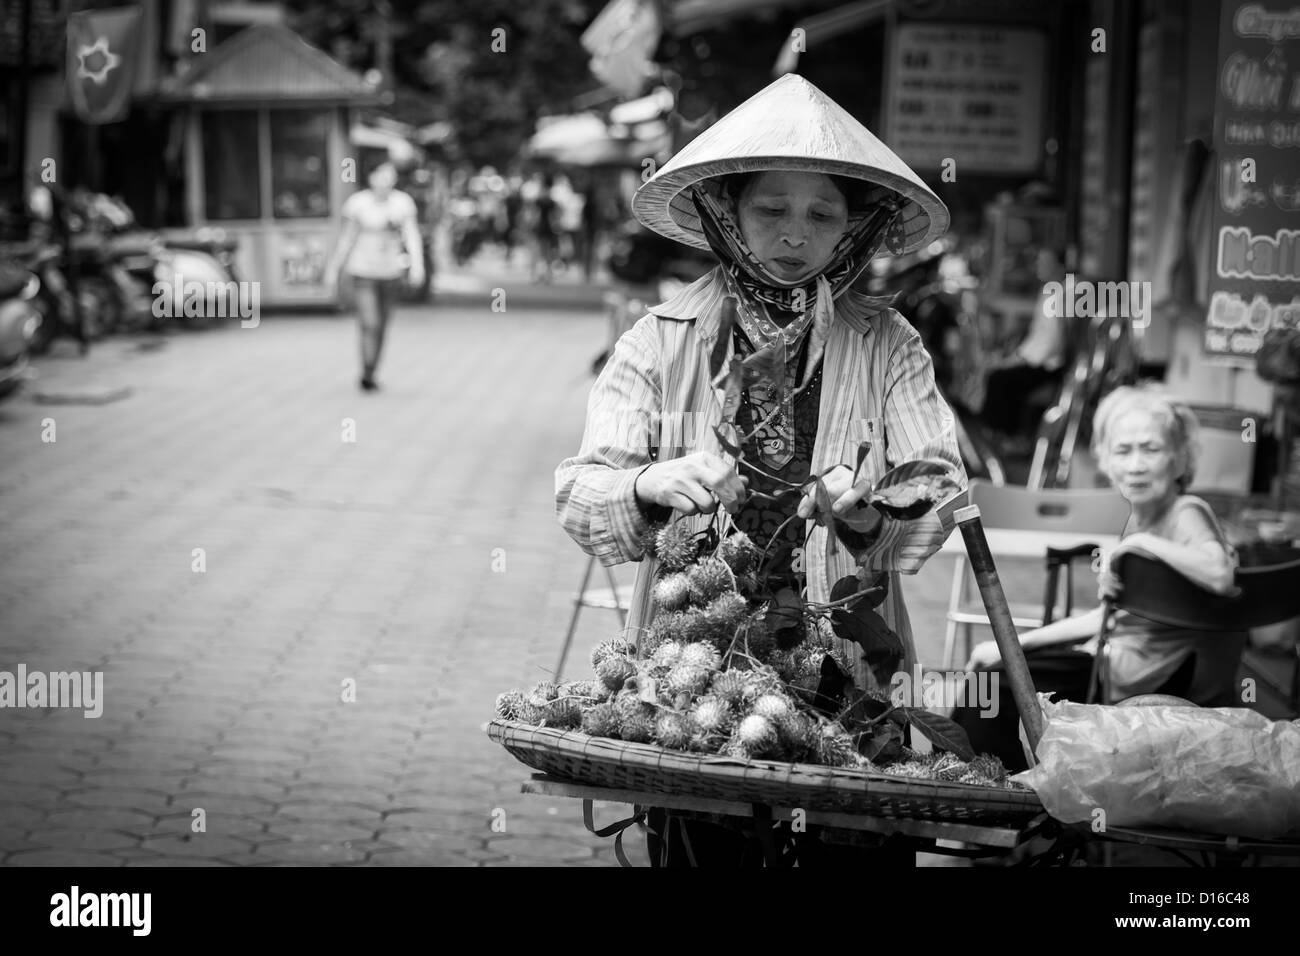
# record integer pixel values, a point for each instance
(584, 139)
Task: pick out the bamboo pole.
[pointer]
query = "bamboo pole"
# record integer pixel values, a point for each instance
(1004, 631)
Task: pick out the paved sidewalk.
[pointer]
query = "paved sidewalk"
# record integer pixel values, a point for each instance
(326, 562)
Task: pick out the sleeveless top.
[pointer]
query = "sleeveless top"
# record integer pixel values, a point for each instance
(1144, 655)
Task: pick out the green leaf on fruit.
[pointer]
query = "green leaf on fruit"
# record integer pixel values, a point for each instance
(941, 731)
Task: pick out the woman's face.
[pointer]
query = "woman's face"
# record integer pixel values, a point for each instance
(383, 179)
(792, 222)
(1141, 461)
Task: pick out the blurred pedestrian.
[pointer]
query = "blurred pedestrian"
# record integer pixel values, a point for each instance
(379, 245)
(544, 231)
(514, 203)
(1037, 361)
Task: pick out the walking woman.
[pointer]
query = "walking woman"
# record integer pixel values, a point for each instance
(793, 197)
(380, 244)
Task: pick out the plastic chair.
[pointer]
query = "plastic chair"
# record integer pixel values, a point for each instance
(614, 598)
(1268, 594)
(1047, 513)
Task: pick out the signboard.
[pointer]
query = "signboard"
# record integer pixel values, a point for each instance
(1255, 274)
(969, 93)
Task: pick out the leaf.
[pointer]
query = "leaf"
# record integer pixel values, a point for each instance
(877, 587)
(869, 594)
(858, 542)
(862, 518)
(913, 497)
(784, 617)
(824, 504)
(907, 512)
(844, 587)
(830, 687)
(884, 741)
(864, 449)
(725, 322)
(941, 731)
(868, 629)
(864, 709)
(727, 445)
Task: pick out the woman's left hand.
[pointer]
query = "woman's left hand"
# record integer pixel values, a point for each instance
(415, 277)
(844, 494)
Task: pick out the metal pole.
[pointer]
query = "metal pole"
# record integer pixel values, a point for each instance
(1004, 631)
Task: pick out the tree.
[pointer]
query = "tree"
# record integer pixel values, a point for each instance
(444, 49)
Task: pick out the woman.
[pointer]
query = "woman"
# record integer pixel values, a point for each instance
(793, 197)
(380, 244)
(1146, 444)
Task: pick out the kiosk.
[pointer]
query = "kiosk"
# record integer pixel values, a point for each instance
(267, 159)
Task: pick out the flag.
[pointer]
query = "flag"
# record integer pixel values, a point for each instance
(103, 52)
(622, 41)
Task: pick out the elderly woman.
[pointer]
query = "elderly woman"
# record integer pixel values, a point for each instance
(793, 197)
(1146, 444)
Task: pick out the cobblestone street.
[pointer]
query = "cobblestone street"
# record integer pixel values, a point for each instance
(327, 562)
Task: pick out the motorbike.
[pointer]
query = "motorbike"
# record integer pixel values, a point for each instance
(132, 263)
(85, 316)
(19, 321)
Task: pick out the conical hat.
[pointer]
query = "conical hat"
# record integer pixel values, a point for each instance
(788, 125)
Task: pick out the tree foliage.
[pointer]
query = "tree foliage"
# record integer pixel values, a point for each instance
(444, 66)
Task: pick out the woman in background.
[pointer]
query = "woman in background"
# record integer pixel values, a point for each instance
(1146, 444)
(380, 244)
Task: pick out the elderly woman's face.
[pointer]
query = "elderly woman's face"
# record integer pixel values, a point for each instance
(1140, 459)
(792, 222)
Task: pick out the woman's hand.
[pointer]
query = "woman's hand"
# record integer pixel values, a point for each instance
(984, 655)
(1109, 586)
(692, 484)
(844, 494)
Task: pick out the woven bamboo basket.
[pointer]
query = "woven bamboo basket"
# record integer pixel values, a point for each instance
(600, 761)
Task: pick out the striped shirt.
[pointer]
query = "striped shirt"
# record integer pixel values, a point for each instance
(654, 401)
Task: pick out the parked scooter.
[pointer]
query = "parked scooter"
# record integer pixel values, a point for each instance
(137, 262)
(87, 317)
(19, 321)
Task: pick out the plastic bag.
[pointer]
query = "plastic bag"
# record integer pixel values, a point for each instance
(1214, 770)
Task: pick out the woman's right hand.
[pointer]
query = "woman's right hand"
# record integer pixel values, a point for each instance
(692, 484)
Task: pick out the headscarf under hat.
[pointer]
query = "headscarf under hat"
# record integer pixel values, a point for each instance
(757, 290)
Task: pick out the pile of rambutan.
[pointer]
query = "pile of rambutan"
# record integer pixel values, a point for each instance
(707, 676)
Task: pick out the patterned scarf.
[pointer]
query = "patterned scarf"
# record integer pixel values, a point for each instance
(755, 289)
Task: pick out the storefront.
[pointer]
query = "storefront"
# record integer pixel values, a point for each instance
(267, 155)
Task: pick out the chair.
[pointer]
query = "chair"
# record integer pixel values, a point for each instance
(1152, 590)
(1061, 525)
(613, 597)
